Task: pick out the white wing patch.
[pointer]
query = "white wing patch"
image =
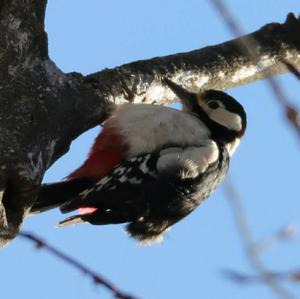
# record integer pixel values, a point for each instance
(86, 192)
(192, 160)
(103, 181)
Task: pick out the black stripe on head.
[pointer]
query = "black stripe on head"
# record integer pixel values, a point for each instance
(218, 132)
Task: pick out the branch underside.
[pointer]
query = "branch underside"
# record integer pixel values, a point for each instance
(43, 109)
(221, 66)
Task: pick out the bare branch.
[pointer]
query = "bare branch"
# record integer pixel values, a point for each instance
(284, 234)
(292, 68)
(221, 66)
(249, 46)
(95, 277)
(243, 278)
(266, 276)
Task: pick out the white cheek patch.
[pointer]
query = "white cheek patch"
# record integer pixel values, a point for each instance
(222, 116)
(226, 118)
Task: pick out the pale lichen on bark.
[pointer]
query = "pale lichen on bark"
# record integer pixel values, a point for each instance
(43, 109)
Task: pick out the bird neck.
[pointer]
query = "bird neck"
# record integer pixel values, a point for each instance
(221, 134)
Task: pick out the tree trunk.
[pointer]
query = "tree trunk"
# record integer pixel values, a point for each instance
(43, 109)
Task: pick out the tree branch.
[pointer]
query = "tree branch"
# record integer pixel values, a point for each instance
(265, 275)
(95, 277)
(43, 109)
(222, 66)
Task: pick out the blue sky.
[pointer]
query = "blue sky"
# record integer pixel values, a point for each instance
(87, 36)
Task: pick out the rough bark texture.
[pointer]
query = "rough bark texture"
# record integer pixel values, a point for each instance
(43, 109)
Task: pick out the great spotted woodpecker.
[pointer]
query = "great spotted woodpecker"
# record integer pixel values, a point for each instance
(151, 165)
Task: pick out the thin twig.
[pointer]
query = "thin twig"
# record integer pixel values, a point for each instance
(96, 278)
(284, 234)
(246, 278)
(291, 68)
(247, 46)
(244, 230)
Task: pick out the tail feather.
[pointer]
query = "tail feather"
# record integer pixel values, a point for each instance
(56, 194)
(77, 219)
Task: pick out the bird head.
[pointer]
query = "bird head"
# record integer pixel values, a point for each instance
(222, 114)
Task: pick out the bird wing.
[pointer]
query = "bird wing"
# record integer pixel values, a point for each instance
(188, 162)
(147, 191)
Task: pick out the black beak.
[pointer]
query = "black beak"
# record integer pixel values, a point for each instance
(188, 99)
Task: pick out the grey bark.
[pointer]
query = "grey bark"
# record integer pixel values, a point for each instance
(43, 109)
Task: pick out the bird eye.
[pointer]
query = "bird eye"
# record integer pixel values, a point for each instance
(213, 104)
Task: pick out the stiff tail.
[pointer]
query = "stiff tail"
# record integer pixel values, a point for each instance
(53, 195)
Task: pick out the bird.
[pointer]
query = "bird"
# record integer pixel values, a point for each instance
(151, 165)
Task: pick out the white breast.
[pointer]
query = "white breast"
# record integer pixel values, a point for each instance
(150, 127)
